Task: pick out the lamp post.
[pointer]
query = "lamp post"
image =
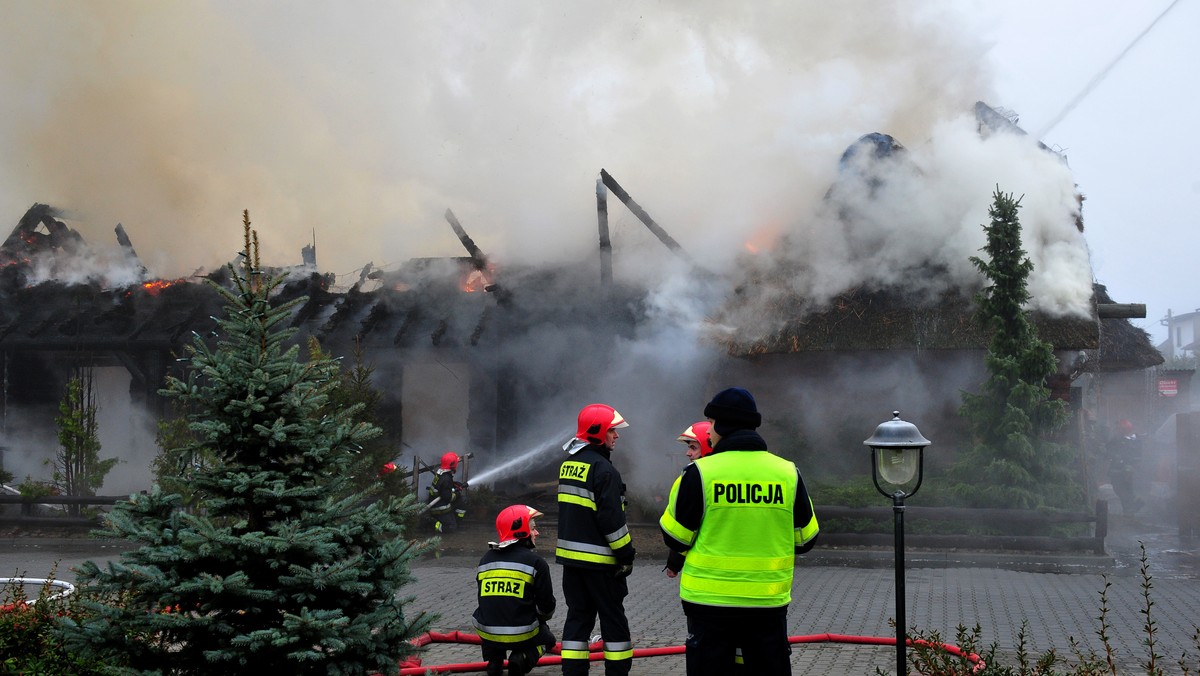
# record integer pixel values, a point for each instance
(897, 458)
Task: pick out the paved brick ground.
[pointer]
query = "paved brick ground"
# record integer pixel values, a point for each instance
(860, 601)
(848, 595)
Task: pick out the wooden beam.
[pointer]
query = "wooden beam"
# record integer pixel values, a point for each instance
(642, 215)
(1121, 310)
(605, 242)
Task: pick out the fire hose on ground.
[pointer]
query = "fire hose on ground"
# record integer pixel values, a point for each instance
(413, 667)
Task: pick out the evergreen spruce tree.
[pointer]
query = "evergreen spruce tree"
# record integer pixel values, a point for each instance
(354, 389)
(1011, 462)
(282, 572)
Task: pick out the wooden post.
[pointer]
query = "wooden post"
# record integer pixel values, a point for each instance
(605, 242)
(642, 215)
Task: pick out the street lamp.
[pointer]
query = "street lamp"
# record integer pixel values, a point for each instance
(898, 457)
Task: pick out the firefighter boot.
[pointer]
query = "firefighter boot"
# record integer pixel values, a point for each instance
(518, 663)
(495, 668)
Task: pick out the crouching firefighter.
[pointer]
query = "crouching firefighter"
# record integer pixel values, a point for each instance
(516, 596)
(446, 494)
(594, 546)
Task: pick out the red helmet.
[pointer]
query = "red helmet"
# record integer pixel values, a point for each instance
(595, 420)
(697, 432)
(515, 523)
(450, 460)
(1126, 427)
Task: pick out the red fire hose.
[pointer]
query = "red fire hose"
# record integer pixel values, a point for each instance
(412, 666)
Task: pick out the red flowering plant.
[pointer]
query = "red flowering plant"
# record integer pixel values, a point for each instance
(30, 639)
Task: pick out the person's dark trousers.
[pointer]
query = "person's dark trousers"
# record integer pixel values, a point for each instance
(590, 593)
(713, 641)
(522, 657)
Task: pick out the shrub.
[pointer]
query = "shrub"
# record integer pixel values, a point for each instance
(30, 641)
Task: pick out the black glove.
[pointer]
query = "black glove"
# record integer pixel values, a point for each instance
(623, 572)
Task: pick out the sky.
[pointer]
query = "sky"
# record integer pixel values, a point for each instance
(1129, 140)
(357, 124)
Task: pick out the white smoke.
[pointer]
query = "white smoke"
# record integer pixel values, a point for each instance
(362, 122)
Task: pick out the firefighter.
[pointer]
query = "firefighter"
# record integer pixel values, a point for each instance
(594, 545)
(695, 438)
(516, 595)
(446, 494)
(740, 515)
(1125, 454)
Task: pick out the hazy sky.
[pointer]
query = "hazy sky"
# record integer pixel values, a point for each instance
(1130, 142)
(363, 121)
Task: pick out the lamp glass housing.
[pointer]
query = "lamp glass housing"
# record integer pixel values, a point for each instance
(897, 466)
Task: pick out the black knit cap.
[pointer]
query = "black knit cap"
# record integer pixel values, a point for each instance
(733, 409)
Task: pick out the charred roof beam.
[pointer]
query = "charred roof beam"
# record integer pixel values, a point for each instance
(644, 217)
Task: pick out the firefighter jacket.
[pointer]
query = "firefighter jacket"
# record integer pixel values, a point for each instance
(444, 492)
(516, 594)
(592, 532)
(741, 515)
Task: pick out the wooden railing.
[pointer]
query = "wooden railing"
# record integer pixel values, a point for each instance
(27, 517)
(1027, 521)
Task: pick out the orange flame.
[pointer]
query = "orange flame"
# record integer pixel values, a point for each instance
(155, 287)
(763, 238)
(477, 280)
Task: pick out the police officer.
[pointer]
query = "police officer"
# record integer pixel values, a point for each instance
(741, 515)
(594, 546)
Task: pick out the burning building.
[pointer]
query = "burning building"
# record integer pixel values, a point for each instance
(496, 359)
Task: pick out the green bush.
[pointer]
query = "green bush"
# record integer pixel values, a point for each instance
(30, 641)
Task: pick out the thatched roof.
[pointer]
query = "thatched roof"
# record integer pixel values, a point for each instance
(1123, 346)
(859, 320)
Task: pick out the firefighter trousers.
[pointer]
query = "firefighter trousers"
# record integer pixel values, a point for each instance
(521, 657)
(592, 593)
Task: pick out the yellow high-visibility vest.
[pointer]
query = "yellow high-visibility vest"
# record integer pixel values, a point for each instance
(744, 552)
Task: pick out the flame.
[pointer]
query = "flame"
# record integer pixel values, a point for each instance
(478, 280)
(156, 286)
(764, 237)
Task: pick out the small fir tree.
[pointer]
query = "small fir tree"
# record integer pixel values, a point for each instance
(78, 469)
(355, 389)
(1011, 462)
(283, 571)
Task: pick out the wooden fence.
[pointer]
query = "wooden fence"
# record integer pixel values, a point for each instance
(1026, 521)
(1009, 520)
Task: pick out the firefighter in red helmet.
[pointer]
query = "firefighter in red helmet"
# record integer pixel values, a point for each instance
(516, 595)
(594, 546)
(695, 437)
(446, 494)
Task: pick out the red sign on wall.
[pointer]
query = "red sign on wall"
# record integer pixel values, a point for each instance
(1168, 387)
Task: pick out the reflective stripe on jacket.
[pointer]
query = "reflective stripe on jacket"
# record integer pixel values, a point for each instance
(740, 516)
(515, 594)
(592, 532)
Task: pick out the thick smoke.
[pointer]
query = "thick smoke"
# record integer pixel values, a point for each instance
(360, 123)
